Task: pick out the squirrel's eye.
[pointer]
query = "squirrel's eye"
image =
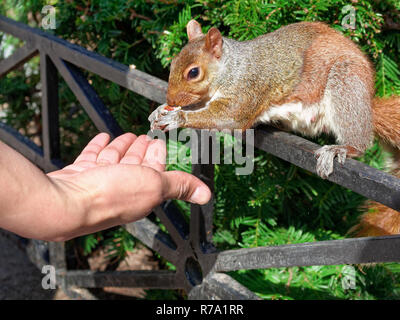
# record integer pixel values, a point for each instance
(193, 73)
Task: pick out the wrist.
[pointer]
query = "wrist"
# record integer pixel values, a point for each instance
(68, 210)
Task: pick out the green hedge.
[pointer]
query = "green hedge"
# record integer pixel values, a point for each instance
(279, 203)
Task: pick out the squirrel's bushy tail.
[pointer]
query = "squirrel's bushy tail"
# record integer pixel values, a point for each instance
(386, 117)
(380, 220)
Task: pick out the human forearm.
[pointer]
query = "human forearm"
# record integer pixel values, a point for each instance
(108, 184)
(30, 203)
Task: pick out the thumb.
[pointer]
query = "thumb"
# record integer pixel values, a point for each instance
(184, 186)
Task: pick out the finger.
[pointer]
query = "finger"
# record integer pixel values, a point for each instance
(93, 148)
(112, 153)
(136, 151)
(156, 155)
(184, 186)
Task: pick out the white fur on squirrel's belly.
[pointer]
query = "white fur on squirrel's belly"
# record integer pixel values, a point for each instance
(294, 116)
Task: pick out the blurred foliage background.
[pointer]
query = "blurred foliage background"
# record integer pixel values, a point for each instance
(279, 203)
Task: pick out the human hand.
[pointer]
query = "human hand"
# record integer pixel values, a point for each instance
(119, 182)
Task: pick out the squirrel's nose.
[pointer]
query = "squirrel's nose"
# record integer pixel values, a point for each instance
(170, 101)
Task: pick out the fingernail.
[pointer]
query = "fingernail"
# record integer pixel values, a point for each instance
(200, 196)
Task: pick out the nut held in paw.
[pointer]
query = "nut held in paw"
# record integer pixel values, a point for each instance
(164, 117)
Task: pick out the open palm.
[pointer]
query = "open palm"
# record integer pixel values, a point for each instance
(122, 181)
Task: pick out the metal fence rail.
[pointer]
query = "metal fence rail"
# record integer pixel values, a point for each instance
(199, 265)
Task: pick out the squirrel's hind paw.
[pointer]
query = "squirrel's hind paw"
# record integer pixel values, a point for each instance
(325, 157)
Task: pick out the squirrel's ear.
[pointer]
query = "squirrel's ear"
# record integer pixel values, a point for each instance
(214, 42)
(193, 29)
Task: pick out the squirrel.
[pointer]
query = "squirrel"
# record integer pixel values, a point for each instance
(306, 76)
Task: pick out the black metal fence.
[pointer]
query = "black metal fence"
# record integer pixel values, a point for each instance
(199, 265)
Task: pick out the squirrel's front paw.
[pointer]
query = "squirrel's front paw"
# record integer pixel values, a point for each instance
(166, 118)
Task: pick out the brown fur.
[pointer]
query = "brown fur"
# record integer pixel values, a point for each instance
(386, 117)
(307, 63)
(380, 220)
(319, 59)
